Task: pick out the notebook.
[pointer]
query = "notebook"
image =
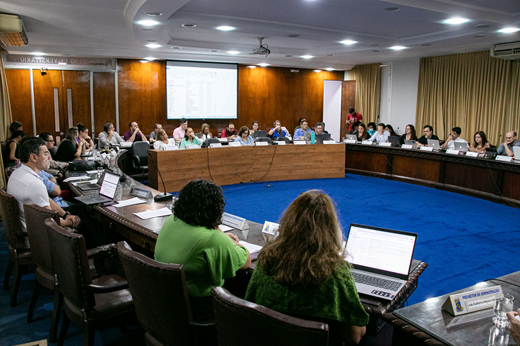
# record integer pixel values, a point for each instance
(106, 192)
(381, 259)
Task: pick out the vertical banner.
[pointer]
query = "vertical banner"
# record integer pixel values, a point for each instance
(332, 108)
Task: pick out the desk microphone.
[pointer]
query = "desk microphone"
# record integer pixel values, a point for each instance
(162, 196)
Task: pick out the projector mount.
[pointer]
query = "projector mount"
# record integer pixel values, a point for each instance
(262, 49)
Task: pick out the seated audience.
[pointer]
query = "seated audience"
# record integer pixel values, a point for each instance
(409, 134)
(163, 141)
(351, 118)
(381, 135)
(134, 134)
(514, 325)
(371, 128)
(278, 131)
(190, 139)
(362, 134)
(205, 133)
(428, 134)
(153, 135)
(191, 237)
(454, 137)
(303, 273)
(506, 148)
(318, 128)
(229, 132)
(69, 149)
(15, 125)
(180, 132)
(254, 127)
(83, 133)
(300, 133)
(480, 143)
(243, 136)
(390, 129)
(11, 149)
(54, 166)
(299, 124)
(109, 136)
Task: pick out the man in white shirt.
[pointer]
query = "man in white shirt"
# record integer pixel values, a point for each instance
(454, 137)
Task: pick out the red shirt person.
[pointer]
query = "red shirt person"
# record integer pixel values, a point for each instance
(353, 117)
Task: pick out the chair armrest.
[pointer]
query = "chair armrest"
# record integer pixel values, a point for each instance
(136, 161)
(107, 289)
(108, 249)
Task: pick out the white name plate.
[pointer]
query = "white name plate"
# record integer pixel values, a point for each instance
(299, 142)
(262, 143)
(471, 154)
(215, 145)
(466, 302)
(235, 221)
(407, 146)
(193, 146)
(280, 142)
(504, 158)
(350, 141)
(385, 144)
(426, 148)
(170, 147)
(270, 230)
(329, 142)
(367, 142)
(223, 140)
(452, 152)
(234, 144)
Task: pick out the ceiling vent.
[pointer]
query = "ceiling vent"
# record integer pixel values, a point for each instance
(12, 32)
(508, 51)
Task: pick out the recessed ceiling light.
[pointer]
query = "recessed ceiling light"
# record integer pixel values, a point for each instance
(398, 47)
(329, 69)
(482, 26)
(479, 35)
(154, 14)
(225, 28)
(176, 47)
(292, 35)
(392, 9)
(508, 30)
(317, 71)
(456, 21)
(143, 61)
(153, 45)
(148, 22)
(149, 58)
(62, 63)
(426, 44)
(252, 66)
(307, 56)
(263, 64)
(289, 56)
(233, 52)
(189, 25)
(37, 53)
(348, 42)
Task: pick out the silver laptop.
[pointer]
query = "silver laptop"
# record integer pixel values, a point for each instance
(434, 143)
(381, 259)
(461, 146)
(516, 151)
(412, 142)
(106, 192)
(351, 137)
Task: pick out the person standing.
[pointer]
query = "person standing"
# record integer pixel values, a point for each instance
(351, 118)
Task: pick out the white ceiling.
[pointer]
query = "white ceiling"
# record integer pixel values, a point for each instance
(107, 28)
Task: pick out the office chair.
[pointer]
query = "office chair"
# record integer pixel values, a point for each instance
(264, 139)
(284, 139)
(140, 157)
(209, 141)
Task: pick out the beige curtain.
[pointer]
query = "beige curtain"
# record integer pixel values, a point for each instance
(368, 90)
(6, 115)
(472, 91)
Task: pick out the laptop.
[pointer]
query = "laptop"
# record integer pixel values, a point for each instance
(322, 137)
(259, 133)
(434, 143)
(396, 141)
(381, 259)
(490, 153)
(351, 137)
(412, 142)
(91, 186)
(516, 151)
(106, 192)
(461, 146)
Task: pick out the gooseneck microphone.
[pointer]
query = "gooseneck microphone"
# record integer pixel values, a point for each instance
(161, 197)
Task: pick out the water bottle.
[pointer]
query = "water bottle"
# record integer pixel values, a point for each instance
(313, 139)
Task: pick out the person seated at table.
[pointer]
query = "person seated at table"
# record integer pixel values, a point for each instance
(355, 126)
(229, 132)
(163, 141)
(428, 134)
(300, 133)
(55, 167)
(69, 148)
(134, 134)
(299, 124)
(371, 128)
(254, 127)
(318, 128)
(191, 237)
(180, 132)
(153, 135)
(362, 134)
(514, 325)
(83, 133)
(205, 132)
(453, 138)
(506, 148)
(190, 139)
(352, 117)
(11, 149)
(390, 129)
(409, 134)
(278, 131)
(381, 135)
(15, 126)
(243, 137)
(480, 143)
(303, 272)
(109, 136)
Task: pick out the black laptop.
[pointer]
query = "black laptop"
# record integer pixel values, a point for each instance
(259, 134)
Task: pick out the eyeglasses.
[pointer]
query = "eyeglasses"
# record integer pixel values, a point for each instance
(50, 141)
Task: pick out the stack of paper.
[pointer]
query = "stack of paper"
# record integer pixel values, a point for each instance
(225, 228)
(131, 201)
(252, 248)
(149, 214)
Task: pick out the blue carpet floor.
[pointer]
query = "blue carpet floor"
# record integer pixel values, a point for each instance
(463, 239)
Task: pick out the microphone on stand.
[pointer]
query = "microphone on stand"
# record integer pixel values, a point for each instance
(162, 196)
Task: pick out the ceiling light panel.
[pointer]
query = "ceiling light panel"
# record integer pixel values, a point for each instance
(307, 56)
(398, 47)
(148, 22)
(456, 21)
(508, 30)
(153, 45)
(225, 28)
(348, 42)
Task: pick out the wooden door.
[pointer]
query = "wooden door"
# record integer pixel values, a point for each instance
(19, 86)
(104, 100)
(348, 100)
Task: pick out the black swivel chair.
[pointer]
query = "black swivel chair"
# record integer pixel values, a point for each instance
(140, 157)
(209, 141)
(284, 139)
(263, 139)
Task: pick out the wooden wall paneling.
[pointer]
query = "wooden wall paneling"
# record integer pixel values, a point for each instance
(415, 168)
(471, 177)
(44, 101)
(79, 82)
(348, 100)
(19, 87)
(104, 100)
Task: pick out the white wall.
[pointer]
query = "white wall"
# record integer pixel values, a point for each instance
(332, 108)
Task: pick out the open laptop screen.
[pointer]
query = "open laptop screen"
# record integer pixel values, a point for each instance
(380, 250)
(109, 185)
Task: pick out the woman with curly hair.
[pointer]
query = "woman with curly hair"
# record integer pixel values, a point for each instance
(191, 237)
(303, 273)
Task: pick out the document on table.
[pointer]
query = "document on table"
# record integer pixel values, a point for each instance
(252, 248)
(83, 177)
(93, 172)
(127, 202)
(225, 228)
(149, 214)
(93, 181)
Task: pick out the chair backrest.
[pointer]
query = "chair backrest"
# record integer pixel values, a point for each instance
(263, 139)
(35, 217)
(140, 149)
(70, 263)
(53, 151)
(11, 219)
(285, 139)
(9, 171)
(211, 140)
(240, 322)
(160, 296)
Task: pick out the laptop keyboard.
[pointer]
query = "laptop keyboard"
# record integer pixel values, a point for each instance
(376, 282)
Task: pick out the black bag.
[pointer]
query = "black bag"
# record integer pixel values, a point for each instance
(82, 165)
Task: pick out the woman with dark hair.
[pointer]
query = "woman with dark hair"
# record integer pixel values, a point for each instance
(190, 138)
(409, 134)
(278, 130)
(11, 149)
(15, 126)
(381, 135)
(69, 148)
(361, 133)
(243, 136)
(83, 133)
(191, 237)
(480, 143)
(371, 128)
(303, 272)
(254, 127)
(390, 129)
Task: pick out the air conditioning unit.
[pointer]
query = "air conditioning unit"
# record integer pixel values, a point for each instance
(508, 51)
(12, 32)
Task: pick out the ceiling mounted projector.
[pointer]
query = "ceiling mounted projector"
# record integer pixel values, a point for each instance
(262, 49)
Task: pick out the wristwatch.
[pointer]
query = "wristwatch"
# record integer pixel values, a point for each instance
(65, 215)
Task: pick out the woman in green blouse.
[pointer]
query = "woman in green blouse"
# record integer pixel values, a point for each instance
(190, 139)
(303, 272)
